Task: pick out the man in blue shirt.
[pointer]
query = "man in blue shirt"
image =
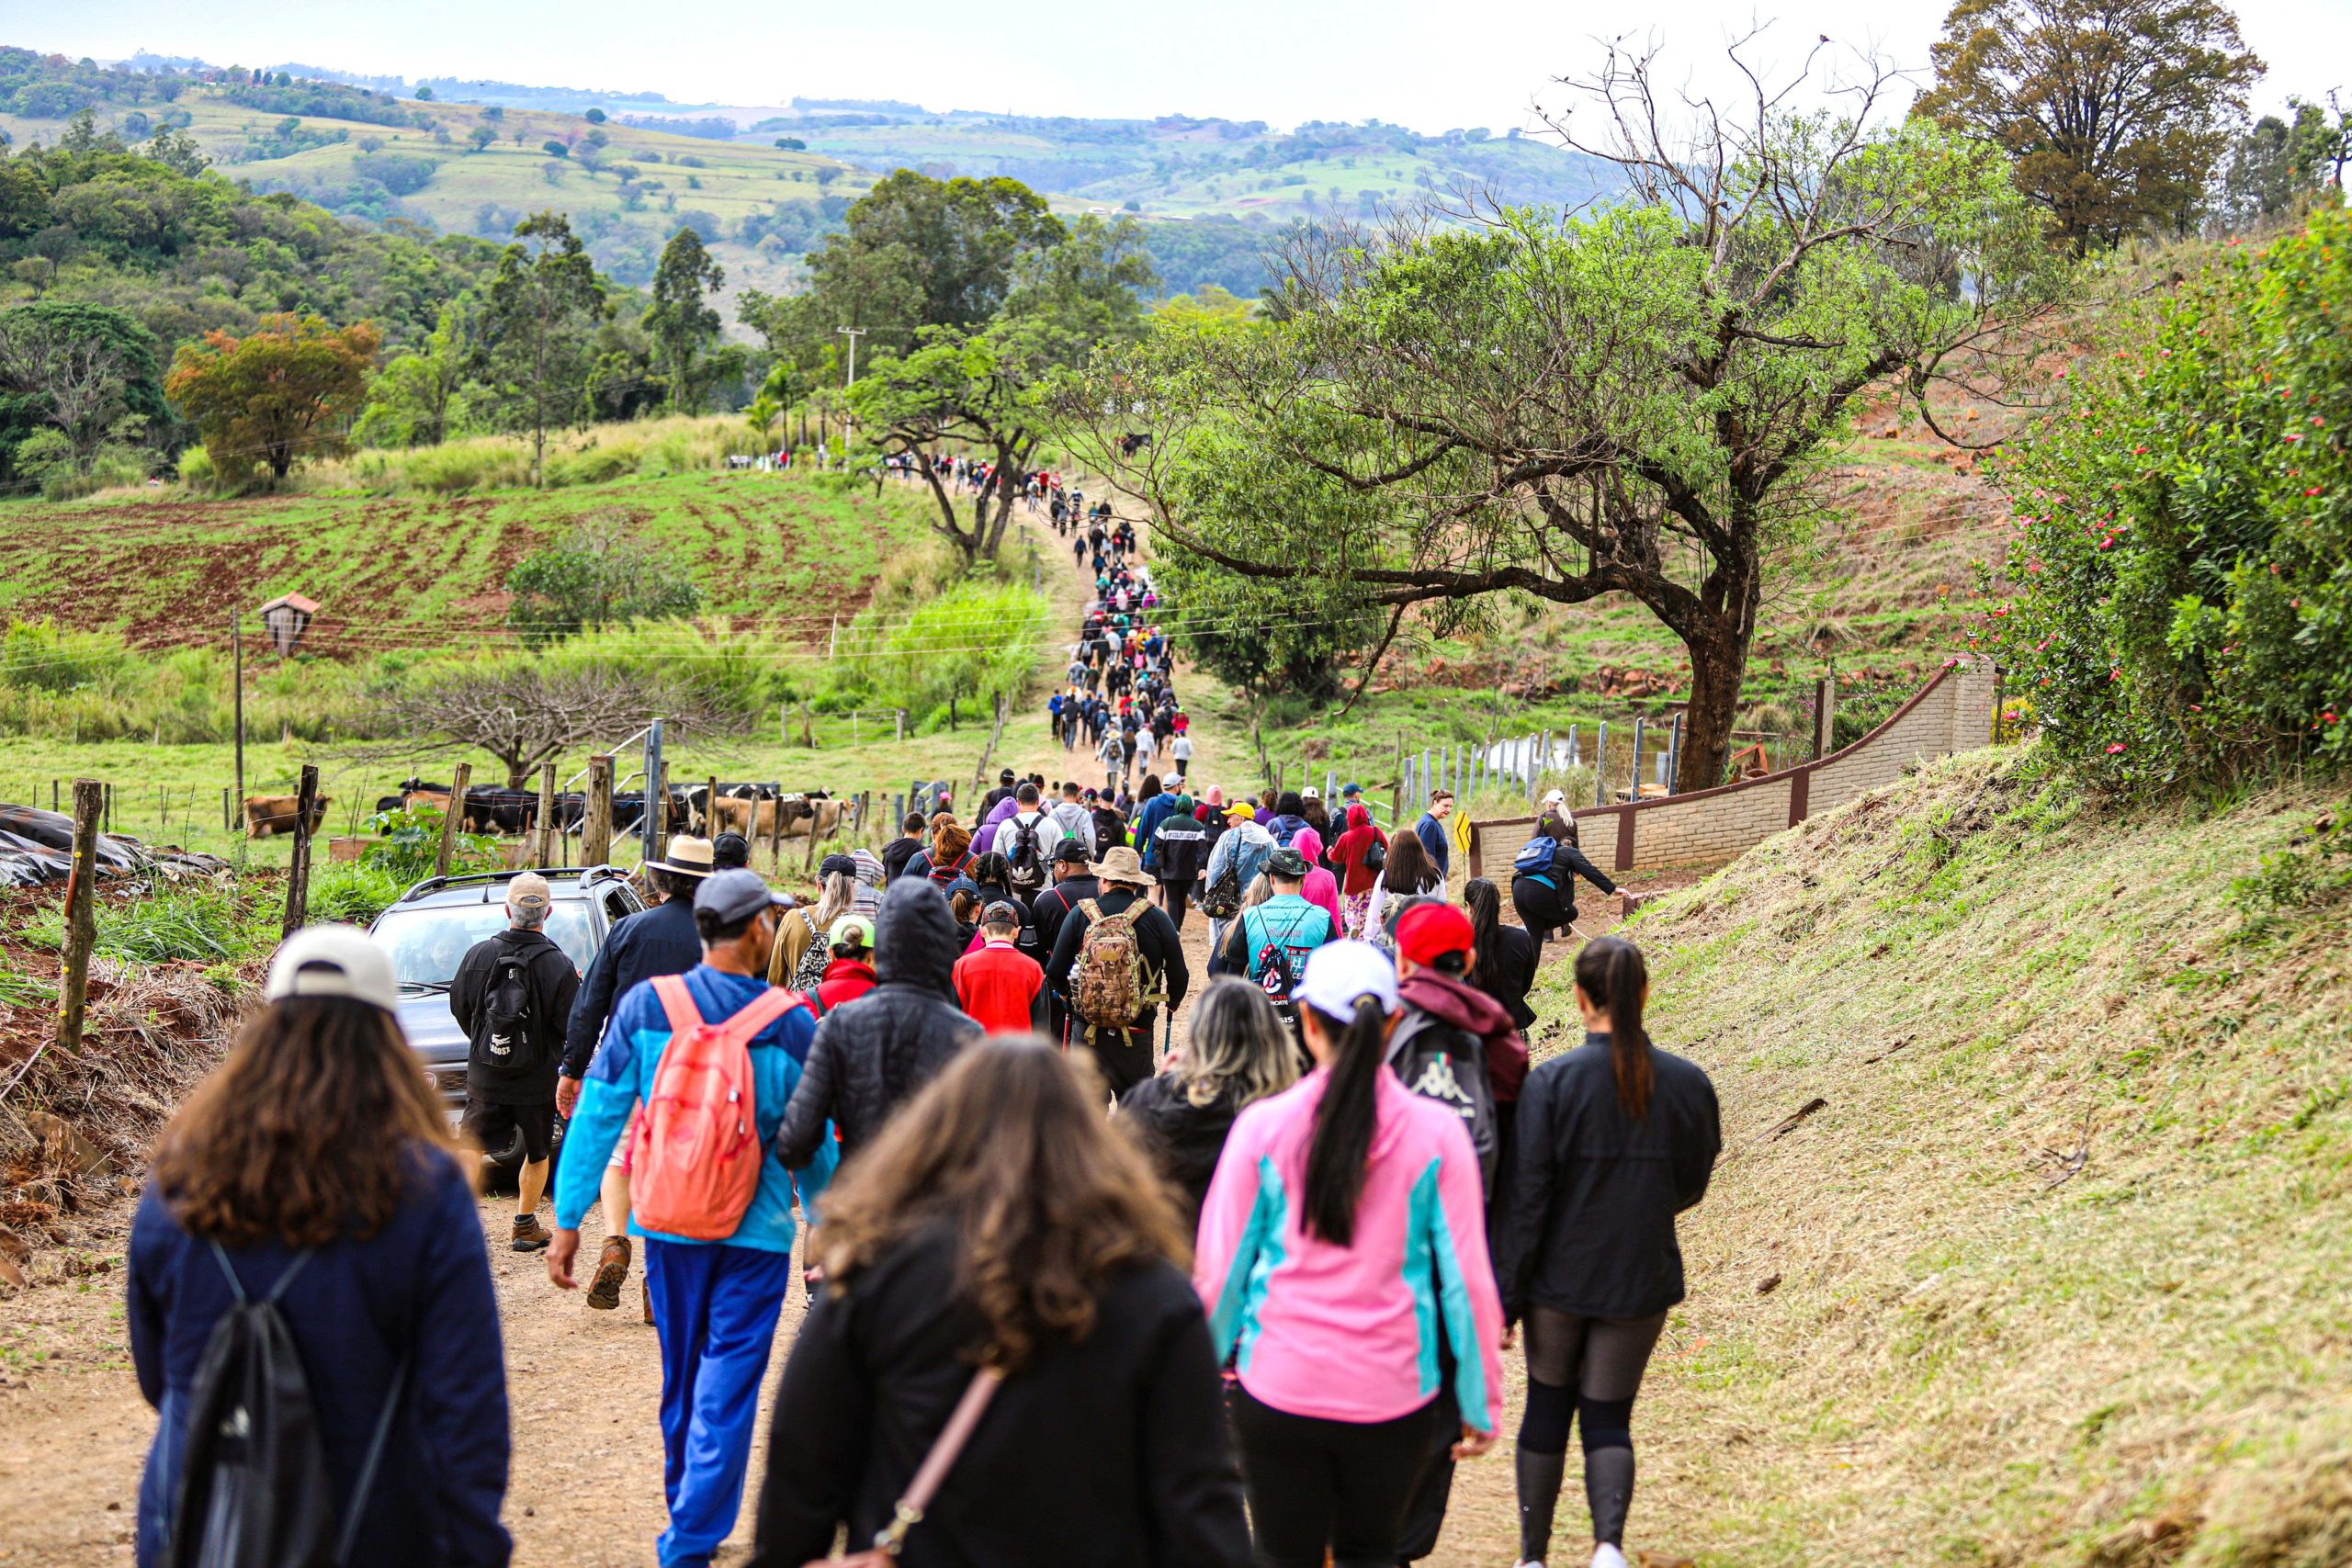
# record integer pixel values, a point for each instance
(715, 1302)
(1430, 829)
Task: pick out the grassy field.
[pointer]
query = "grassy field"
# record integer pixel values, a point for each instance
(2056, 1273)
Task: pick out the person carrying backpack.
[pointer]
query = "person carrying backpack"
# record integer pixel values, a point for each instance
(1271, 941)
(1180, 848)
(1613, 1140)
(319, 1280)
(1455, 1046)
(1118, 959)
(711, 1199)
(512, 995)
(1236, 861)
(1026, 840)
(1544, 874)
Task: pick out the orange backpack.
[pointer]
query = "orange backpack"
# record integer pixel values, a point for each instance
(694, 1167)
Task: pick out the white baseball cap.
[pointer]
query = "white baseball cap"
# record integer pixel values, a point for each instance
(1555, 797)
(1339, 972)
(333, 961)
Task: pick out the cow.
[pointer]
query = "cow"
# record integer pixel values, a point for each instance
(800, 814)
(268, 814)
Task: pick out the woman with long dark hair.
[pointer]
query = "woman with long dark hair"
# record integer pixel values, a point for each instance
(1505, 964)
(1341, 1247)
(313, 1170)
(1614, 1139)
(1404, 879)
(999, 1223)
(1239, 1053)
(1546, 894)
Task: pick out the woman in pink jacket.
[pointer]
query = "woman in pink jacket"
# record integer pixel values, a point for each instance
(1343, 1234)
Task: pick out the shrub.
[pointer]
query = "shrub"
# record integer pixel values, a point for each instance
(408, 841)
(44, 657)
(2181, 612)
(196, 468)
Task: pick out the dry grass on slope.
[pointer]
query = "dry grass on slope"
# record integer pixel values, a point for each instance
(2060, 1272)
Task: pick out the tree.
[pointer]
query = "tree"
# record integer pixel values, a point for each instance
(1637, 401)
(555, 149)
(288, 391)
(916, 252)
(986, 387)
(680, 320)
(523, 712)
(2277, 168)
(598, 575)
(482, 136)
(595, 117)
(78, 370)
(2115, 110)
(536, 348)
(413, 401)
(425, 95)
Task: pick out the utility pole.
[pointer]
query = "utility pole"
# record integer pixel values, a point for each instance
(237, 653)
(852, 333)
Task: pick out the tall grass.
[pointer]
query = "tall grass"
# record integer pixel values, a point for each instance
(641, 450)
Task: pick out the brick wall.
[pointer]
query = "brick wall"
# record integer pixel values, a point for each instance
(1953, 712)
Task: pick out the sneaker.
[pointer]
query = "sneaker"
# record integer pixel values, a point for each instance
(612, 1273)
(529, 1234)
(1607, 1556)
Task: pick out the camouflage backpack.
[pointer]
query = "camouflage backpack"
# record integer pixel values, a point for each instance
(1107, 983)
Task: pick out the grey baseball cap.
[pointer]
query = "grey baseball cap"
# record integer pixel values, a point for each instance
(730, 896)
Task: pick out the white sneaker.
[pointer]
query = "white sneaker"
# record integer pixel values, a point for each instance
(1530, 1563)
(1607, 1556)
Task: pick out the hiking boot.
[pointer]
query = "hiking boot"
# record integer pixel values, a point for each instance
(612, 1273)
(529, 1234)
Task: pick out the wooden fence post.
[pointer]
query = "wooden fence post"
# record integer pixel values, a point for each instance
(1825, 717)
(298, 871)
(596, 812)
(710, 808)
(81, 914)
(547, 814)
(459, 778)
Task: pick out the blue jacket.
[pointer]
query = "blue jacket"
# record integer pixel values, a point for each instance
(622, 1075)
(659, 941)
(1147, 820)
(419, 1288)
(1432, 833)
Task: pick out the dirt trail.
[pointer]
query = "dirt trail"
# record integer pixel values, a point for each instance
(584, 1386)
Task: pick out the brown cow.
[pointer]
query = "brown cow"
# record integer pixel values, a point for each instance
(268, 814)
(757, 818)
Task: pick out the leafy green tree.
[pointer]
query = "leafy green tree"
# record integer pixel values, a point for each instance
(536, 348)
(78, 370)
(598, 575)
(2277, 168)
(286, 391)
(595, 117)
(482, 136)
(2181, 612)
(415, 400)
(916, 252)
(1640, 401)
(680, 320)
(2115, 110)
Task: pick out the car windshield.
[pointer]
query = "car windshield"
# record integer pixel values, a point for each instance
(426, 945)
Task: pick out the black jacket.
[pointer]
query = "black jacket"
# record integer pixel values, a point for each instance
(1155, 936)
(1107, 1453)
(871, 1054)
(1569, 863)
(1505, 971)
(1585, 1222)
(1182, 1139)
(530, 1078)
(1182, 850)
(659, 941)
(1052, 907)
(896, 854)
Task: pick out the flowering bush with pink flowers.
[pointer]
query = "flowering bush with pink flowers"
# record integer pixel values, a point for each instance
(2181, 584)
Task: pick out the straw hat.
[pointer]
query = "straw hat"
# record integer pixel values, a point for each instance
(1122, 864)
(686, 856)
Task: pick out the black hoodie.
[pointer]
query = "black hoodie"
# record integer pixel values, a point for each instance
(871, 1054)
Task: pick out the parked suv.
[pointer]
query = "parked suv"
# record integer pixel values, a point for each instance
(434, 924)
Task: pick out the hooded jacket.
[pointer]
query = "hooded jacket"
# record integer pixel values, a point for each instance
(1460, 1005)
(872, 1053)
(1347, 854)
(1352, 1333)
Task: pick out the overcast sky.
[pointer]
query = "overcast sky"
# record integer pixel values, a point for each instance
(1462, 63)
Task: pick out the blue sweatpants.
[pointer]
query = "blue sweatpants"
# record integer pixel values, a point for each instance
(715, 1308)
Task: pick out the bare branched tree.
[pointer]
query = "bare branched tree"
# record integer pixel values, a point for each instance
(524, 714)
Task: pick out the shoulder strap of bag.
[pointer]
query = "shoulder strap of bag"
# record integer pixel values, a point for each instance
(1091, 909)
(678, 1003)
(757, 1014)
(946, 1449)
(349, 1536)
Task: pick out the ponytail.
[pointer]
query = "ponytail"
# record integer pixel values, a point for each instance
(1612, 974)
(1341, 1143)
(1485, 902)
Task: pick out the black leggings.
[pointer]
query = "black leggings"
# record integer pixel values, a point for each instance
(1314, 1484)
(1587, 1367)
(1541, 909)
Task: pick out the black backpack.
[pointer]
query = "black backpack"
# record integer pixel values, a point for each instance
(503, 1046)
(1223, 900)
(253, 1488)
(1439, 1062)
(1028, 865)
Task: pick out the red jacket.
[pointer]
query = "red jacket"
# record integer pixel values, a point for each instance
(1354, 845)
(846, 980)
(1000, 986)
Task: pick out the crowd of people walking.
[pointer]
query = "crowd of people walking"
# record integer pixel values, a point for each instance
(1079, 1291)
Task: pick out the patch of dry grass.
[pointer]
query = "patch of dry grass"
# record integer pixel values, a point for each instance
(2061, 1263)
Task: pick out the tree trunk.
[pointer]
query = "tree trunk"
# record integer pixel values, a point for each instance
(1718, 664)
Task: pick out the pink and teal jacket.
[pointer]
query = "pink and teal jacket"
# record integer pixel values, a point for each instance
(1351, 1334)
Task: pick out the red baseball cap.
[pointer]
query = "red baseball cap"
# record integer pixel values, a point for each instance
(1426, 932)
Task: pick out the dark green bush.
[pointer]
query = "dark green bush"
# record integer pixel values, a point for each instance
(2181, 584)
